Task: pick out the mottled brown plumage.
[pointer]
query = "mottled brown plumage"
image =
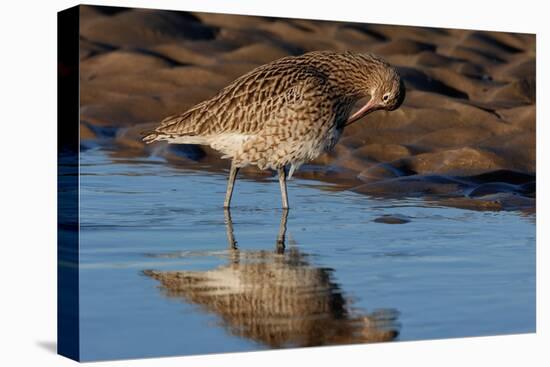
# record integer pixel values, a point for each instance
(286, 112)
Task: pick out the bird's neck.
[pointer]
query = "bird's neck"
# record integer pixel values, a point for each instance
(343, 110)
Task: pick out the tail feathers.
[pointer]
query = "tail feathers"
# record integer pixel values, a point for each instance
(150, 136)
(171, 128)
(154, 135)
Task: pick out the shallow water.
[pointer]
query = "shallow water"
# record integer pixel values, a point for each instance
(339, 274)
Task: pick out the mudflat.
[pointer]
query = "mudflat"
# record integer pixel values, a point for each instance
(465, 135)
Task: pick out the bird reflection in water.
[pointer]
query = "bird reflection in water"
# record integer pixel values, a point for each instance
(277, 298)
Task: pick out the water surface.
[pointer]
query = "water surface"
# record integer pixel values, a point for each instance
(165, 271)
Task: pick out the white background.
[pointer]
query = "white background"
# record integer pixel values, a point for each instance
(28, 182)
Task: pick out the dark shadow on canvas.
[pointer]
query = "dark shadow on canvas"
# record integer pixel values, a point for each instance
(48, 345)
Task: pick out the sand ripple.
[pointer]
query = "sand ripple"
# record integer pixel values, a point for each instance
(470, 107)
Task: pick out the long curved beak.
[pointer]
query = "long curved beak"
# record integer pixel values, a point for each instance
(362, 112)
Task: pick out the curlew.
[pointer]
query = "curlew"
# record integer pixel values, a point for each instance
(286, 112)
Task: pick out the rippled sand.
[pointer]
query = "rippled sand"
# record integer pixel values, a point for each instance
(465, 135)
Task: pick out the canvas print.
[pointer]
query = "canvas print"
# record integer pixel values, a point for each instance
(233, 183)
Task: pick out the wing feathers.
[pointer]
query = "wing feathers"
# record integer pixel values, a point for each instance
(246, 105)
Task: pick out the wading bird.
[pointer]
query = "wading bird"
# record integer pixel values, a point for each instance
(286, 112)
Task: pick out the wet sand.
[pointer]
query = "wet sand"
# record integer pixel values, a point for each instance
(464, 137)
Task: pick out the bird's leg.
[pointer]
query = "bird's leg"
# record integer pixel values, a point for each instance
(282, 183)
(234, 250)
(229, 229)
(230, 184)
(282, 233)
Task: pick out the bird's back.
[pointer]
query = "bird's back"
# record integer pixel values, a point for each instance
(247, 104)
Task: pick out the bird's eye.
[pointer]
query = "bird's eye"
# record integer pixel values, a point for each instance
(386, 97)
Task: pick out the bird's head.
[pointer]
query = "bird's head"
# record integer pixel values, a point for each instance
(380, 82)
